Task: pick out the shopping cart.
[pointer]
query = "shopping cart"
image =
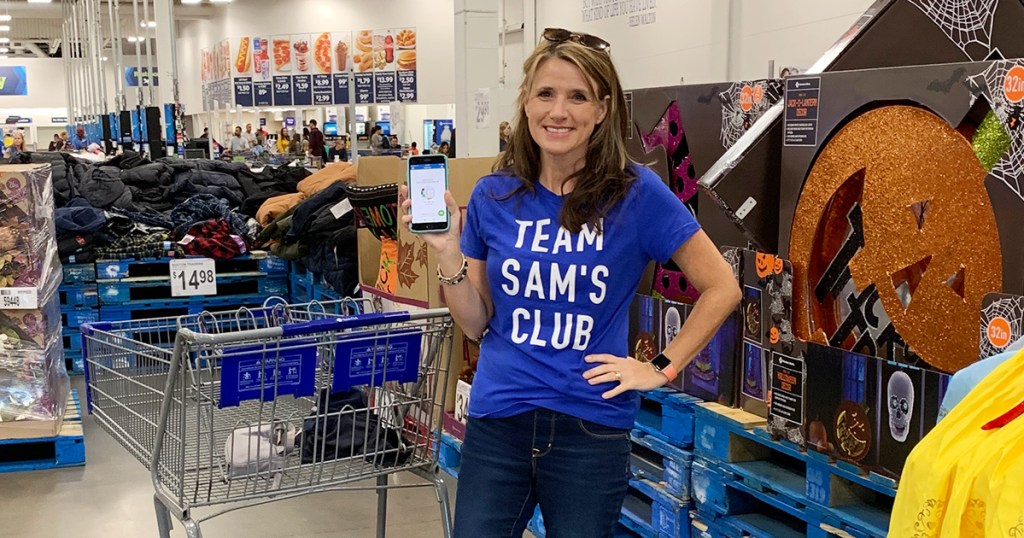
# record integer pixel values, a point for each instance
(234, 409)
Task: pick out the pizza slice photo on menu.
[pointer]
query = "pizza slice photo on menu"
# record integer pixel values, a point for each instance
(282, 55)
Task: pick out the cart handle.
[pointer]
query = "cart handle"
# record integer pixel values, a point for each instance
(347, 322)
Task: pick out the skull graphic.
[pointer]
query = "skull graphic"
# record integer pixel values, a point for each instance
(901, 405)
(672, 324)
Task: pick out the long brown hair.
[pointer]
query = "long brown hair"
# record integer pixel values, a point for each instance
(606, 176)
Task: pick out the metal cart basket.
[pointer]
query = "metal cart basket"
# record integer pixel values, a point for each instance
(234, 409)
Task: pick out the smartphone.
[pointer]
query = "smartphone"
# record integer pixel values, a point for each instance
(428, 180)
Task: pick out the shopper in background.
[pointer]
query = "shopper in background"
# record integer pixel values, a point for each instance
(316, 145)
(206, 133)
(295, 148)
(338, 151)
(237, 145)
(282, 141)
(504, 131)
(55, 144)
(79, 142)
(413, 150)
(64, 144)
(17, 144)
(376, 140)
(249, 137)
(554, 396)
(443, 149)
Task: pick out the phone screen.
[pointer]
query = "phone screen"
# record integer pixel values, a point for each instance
(427, 183)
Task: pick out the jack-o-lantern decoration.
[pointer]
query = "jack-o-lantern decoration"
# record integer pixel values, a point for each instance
(764, 264)
(894, 223)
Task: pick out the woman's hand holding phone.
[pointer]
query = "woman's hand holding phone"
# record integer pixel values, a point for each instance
(445, 244)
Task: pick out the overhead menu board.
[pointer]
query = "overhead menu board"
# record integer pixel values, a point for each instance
(215, 69)
(311, 69)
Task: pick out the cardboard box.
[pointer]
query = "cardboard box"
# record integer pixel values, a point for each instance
(416, 286)
(765, 310)
(859, 409)
(893, 247)
(679, 132)
(745, 181)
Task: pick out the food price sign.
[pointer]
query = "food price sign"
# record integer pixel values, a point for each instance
(19, 298)
(194, 276)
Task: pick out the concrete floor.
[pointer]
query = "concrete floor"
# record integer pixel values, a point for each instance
(112, 496)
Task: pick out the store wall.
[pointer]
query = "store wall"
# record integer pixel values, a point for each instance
(687, 39)
(433, 20)
(702, 40)
(791, 32)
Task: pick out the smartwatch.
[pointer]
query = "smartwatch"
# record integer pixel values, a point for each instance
(663, 364)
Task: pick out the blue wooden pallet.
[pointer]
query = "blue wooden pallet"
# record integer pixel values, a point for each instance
(668, 414)
(450, 456)
(301, 289)
(755, 511)
(658, 461)
(731, 455)
(625, 528)
(153, 267)
(181, 307)
(75, 364)
(158, 289)
(754, 525)
(652, 509)
(75, 316)
(78, 295)
(79, 273)
(67, 449)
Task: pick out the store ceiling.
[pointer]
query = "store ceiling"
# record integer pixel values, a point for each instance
(36, 29)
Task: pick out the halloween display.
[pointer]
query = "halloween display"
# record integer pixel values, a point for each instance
(874, 217)
(679, 132)
(746, 180)
(34, 384)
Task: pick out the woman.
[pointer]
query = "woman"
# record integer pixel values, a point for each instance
(504, 131)
(295, 148)
(443, 149)
(282, 141)
(56, 144)
(376, 140)
(550, 257)
(17, 144)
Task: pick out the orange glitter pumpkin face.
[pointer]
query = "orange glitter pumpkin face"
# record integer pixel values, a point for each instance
(899, 196)
(773, 335)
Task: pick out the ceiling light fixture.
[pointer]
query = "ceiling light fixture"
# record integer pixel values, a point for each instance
(151, 24)
(220, 1)
(5, 40)
(4, 50)
(5, 18)
(5, 27)
(190, 1)
(39, 1)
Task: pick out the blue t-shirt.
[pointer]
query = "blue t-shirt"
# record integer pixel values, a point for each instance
(561, 296)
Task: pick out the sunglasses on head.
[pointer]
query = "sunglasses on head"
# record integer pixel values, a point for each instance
(561, 35)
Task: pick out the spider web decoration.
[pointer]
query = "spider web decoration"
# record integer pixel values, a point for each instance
(1009, 308)
(1010, 168)
(964, 22)
(743, 103)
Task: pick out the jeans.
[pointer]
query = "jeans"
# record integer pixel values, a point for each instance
(578, 472)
